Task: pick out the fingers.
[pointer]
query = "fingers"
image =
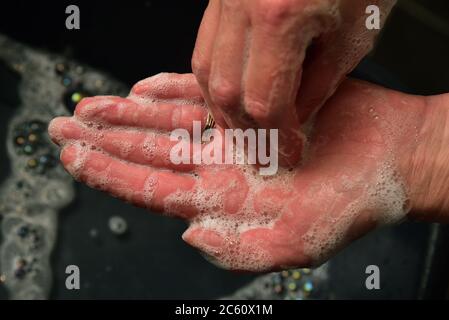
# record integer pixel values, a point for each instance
(272, 79)
(141, 185)
(336, 54)
(138, 147)
(225, 82)
(274, 68)
(249, 67)
(202, 54)
(125, 112)
(171, 87)
(316, 87)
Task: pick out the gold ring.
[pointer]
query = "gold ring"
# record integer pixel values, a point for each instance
(210, 122)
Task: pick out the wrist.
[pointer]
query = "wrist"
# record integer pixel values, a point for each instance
(428, 171)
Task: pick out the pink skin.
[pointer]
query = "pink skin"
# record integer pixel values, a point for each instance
(274, 63)
(295, 218)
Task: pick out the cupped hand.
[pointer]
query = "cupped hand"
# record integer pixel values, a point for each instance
(273, 63)
(354, 177)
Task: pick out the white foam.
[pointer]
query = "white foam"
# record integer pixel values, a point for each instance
(149, 146)
(149, 189)
(212, 216)
(76, 167)
(384, 198)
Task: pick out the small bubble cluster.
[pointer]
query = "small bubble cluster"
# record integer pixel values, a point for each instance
(212, 216)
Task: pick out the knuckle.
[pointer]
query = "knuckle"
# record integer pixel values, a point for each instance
(276, 12)
(200, 68)
(257, 109)
(224, 93)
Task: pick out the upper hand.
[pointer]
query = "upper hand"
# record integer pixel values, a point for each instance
(273, 63)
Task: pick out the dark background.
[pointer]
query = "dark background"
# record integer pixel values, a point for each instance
(129, 39)
(134, 39)
(159, 36)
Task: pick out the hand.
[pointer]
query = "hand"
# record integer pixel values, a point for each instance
(273, 63)
(361, 171)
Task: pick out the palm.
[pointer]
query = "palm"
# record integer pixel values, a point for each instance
(348, 184)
